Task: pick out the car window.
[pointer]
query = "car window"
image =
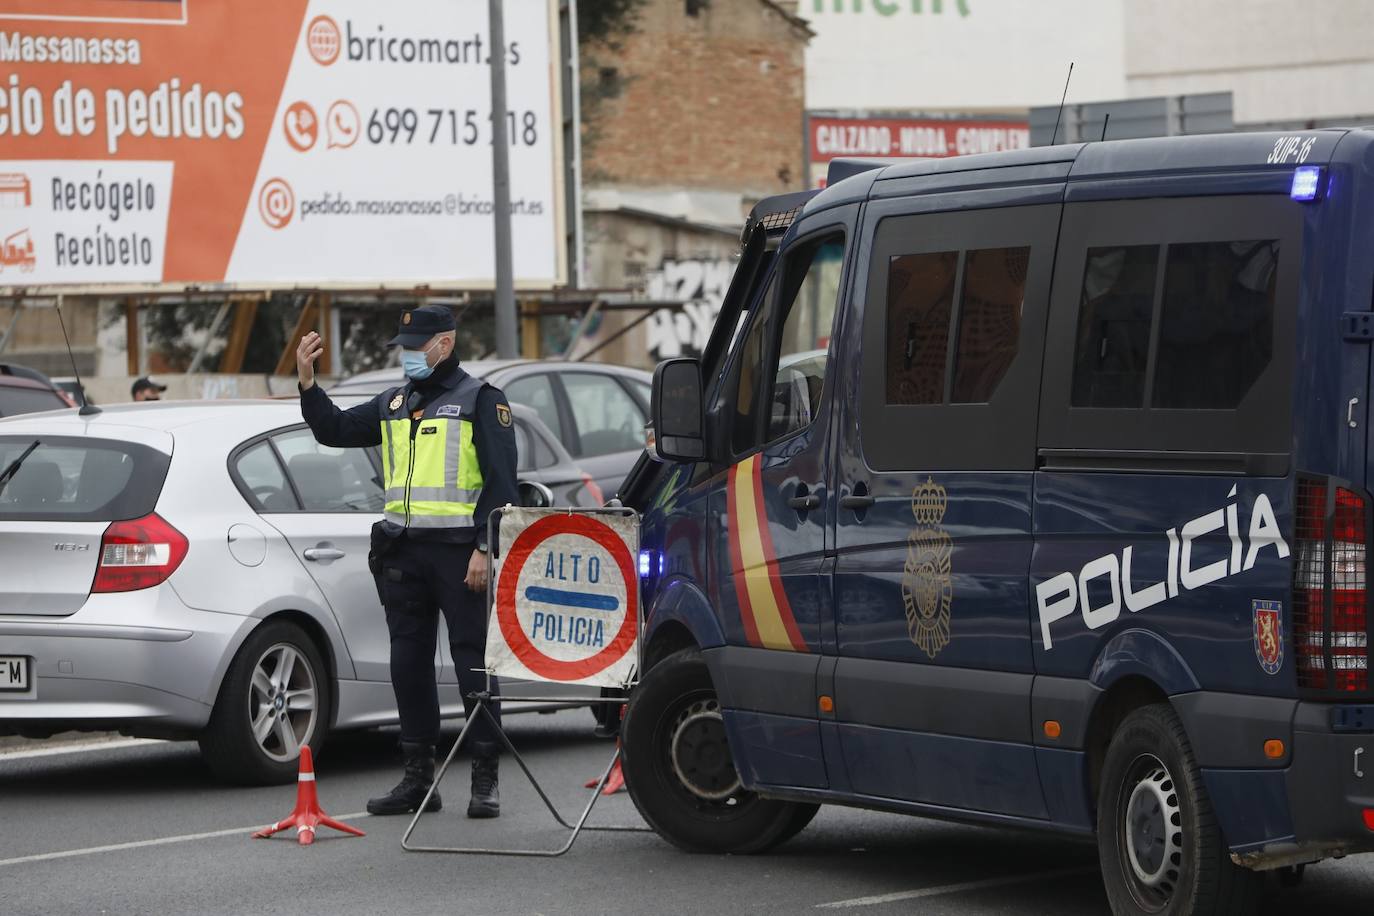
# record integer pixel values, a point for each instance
(27, 400)
(69, 478)
(524, 447)
(264, 480)
(608, 419)
(329, 479)
(537, 391)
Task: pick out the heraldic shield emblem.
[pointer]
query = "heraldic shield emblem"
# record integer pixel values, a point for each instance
(1268, 635)
(927, 590)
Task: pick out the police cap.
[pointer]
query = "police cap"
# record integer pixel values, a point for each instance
(419, 325)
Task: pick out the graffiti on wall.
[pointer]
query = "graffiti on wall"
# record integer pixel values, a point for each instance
(700, 285)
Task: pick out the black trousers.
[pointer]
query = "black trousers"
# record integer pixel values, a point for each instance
(420, 579)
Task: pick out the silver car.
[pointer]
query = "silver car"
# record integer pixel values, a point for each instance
(184, 569)
(597, 410)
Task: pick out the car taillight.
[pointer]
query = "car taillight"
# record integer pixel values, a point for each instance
(138, 554)
(1330, 601)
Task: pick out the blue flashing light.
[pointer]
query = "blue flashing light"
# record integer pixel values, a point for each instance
(1307, 180)
(646, 560)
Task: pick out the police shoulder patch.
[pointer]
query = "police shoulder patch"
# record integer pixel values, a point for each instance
(396, 402)
(503, 414)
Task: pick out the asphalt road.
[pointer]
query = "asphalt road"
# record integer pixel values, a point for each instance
(82, 832)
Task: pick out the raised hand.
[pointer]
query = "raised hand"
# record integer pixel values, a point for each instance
(311, 346)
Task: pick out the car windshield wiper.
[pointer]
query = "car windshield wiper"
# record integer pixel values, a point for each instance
(8, 473)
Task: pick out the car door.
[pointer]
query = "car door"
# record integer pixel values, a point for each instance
(934, 474)
(324, 501)
(770, 507)
(607, 425)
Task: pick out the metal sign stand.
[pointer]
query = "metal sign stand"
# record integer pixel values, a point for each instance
(483, 700)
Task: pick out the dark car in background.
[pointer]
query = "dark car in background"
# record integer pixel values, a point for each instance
(597, 411)
(25, 390)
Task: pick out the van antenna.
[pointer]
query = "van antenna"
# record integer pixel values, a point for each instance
(1055, 136)
(87, 408)
(1105, 121)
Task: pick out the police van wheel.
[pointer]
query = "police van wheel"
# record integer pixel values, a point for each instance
(275, 699)
(679, 771)
(1157, 837)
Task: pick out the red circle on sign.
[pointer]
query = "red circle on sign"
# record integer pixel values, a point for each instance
(530, 656)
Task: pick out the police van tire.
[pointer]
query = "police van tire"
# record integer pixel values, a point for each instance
(1158, 841)
(695, 804)
(229, 744)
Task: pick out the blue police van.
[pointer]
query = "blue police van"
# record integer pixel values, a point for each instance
(1029, 489)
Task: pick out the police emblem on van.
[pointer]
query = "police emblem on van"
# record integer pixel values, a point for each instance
(927, 589)
(1268, 635)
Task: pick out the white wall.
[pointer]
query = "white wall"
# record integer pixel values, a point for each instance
(1283, 60)
(1001, 55)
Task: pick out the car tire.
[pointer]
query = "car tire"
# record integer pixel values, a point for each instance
(260, 722)
(679, 772)
(1161, 850)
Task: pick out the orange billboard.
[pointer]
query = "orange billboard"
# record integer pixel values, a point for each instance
(272, 142)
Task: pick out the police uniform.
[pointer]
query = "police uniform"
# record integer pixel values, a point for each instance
(448, 458)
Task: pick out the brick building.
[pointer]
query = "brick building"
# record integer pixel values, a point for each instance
(688, 122)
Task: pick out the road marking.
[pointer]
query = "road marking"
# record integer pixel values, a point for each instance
(161, 841)
(84, 747)
(948, 888)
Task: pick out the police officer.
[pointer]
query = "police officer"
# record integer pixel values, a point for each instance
(448, 456)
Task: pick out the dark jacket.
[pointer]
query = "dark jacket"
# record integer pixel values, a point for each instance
(361, 426)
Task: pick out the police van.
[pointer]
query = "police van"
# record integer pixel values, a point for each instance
(1029, 489)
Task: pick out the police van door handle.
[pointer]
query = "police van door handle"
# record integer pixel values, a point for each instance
(323, 553)
(1359, 773)
(805, 501)
(859, 500)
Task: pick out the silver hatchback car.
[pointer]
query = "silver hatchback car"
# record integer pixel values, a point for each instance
(200, 570)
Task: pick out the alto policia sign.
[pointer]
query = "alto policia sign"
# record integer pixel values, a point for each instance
(272, 142)
(567, 597)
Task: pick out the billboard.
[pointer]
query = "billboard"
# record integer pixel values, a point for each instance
(832, 136)
(961, 55)
(260, 143)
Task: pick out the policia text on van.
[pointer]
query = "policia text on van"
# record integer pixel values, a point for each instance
(1029, 489)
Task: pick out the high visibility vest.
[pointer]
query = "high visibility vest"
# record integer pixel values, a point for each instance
(432, 478)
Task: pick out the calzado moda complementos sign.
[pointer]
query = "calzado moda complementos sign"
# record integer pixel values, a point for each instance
(329, 142)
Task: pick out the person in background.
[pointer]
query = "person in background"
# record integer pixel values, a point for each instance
(448, 458)
(145, 389)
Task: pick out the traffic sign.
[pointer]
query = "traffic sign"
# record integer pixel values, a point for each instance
(566, 603)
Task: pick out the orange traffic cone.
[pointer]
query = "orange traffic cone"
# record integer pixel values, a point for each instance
(615, 782)
(308, 812)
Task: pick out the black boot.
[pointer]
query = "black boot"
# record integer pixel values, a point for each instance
(486, 800)
(410, 791)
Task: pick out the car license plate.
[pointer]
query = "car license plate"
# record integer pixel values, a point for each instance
(14, 673)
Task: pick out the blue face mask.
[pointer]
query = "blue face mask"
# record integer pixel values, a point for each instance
(416, 364)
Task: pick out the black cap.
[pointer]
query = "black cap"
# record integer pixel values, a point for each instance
(145, 382)
(419, 325)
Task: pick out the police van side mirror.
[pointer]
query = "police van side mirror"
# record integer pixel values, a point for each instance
(676, 411)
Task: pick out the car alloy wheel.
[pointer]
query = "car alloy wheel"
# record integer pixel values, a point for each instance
(283, 702)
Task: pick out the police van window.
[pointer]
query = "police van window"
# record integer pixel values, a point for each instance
(1217, 326)
(744, 434)
(780, 386)
(1114, 313)
(920, 298)
(802, 355)
(994, 292)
